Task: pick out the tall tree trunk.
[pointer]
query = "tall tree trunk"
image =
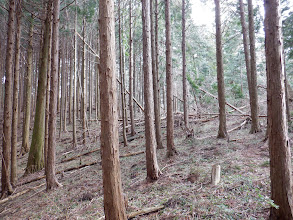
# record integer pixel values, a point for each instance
(7, 114)
(151, 156)
(74, 105)
(36, 154)
(155, 83)
(90, 86)
(222, 133)
(51, 179)
(113, 198)
(47, 114)
(62, 76)
(169, 81)
(83, 85)
(70, 95)
(15, 95)
(254, 97)
(121, 71)
(185, 107)
(131, 72)
(28, 91)
(280, 155)
(246, 51)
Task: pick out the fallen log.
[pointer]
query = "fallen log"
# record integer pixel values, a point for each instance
(20, 193)
(230, 105)
(80, 155)
(78, 167)
(236, 115)
(145, 211)
(131, 154)
(233, 129)
(239, 126)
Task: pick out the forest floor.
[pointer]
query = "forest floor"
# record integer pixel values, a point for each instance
(184, 188)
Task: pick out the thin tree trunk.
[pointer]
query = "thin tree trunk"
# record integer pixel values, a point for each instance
(15, 95)
(155, 83)
(222, 133)
(83, 85)
(246, 52)
(185, 100)
(47, 114)
(254, 97)
(51, 179)
(279, 147)
(169, 81)
(7, 114)
(151, 156)
(121, 71)
(74, 106)
(113, 198)
(28, 91)
(131, 72)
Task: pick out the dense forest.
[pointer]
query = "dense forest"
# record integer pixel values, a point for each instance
(129, 109)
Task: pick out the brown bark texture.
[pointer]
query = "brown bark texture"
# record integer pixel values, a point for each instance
(151, 156)
(51, 179)
(7, 114)
(170, 117)
(113, 197)
(28, 89)
(155, 82)
(279, 148)
(131, 112)
(254, 97)
(185, 98)
(15, 95)
(222, 132)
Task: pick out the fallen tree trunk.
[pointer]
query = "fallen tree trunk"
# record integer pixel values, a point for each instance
(20, 193)
(134, 99)
(241, 115)
(80, 155)
(131, 154)
(78, 167)
(230, 105)
(233, 129)
(144, 211)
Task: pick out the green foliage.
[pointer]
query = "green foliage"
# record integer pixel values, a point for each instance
(237, 91)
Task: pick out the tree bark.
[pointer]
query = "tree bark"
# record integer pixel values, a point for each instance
(222, 133)
(185, 98)
(74, 104)
(28, 91)
(113, 198)
(131, 72)
(83, 85)
(155, 82)
(7, 114)
(279, 148)
(151, 156)
(121, 71)
(15, 95)
(254, 97)
(36, 154)
(51, 179)
(169, 81)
